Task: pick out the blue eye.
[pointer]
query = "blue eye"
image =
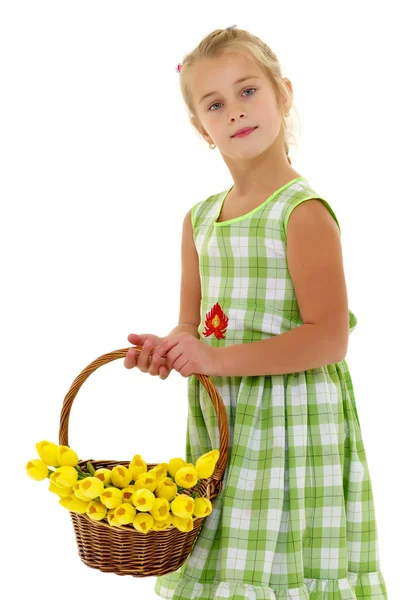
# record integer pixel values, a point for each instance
(246, 90)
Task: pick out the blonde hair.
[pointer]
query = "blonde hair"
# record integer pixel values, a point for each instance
(220, 41)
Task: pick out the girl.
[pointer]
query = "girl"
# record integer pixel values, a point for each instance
(262, 266)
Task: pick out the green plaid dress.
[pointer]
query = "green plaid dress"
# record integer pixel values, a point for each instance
(295, 519)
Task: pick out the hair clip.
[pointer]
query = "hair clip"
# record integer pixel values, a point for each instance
(231, 27)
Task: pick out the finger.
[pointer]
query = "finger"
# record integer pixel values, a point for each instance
(166, 345)
(130, 359)
(164, 372)
(143, 359)
(136, 340)
(154, 365)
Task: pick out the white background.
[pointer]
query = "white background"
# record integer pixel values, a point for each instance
(99, 165)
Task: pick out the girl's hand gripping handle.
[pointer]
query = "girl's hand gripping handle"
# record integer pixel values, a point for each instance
(144, 359)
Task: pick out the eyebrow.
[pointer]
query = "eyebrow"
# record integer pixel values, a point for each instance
(238, 81)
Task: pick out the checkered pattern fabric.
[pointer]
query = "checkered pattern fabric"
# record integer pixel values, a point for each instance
(295, 518)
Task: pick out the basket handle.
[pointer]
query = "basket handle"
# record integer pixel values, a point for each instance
(215, 397)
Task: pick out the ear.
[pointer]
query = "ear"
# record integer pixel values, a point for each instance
(196, 123)
(289, 97)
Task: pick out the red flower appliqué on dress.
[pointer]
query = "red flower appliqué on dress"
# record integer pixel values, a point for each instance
(216, 322)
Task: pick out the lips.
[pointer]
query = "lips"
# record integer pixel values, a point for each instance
(244, 130)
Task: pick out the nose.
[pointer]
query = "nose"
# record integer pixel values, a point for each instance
(234, 112)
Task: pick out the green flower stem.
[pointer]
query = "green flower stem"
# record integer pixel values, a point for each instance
(82, 473)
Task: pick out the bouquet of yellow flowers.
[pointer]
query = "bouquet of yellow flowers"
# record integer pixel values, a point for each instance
(126, 496)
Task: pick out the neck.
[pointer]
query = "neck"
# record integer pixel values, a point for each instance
(267, 171)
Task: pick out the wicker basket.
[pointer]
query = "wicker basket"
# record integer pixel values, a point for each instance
(124, 550)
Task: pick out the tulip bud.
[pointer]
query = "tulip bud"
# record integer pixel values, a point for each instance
(166, 488)
(60, 490)
(159, 525)
(49, 453)
(174, 465)
(124, 513)
(147, 480)
(111, 497)
(91, 487)
(160, 470)
(182, 524)
(64, 476)
(143, 522)
(78, 505)
(67, 456)
(37, 469)
(205, 465)
(182, 506)
(202, 507)
(96, 510)
(186, 477)
(104, 475)
(137, 466)
(127, 493)
(160, 510)
(78, 492)
(65, 501)
(111, 518)
(121, 476)
(143, 499)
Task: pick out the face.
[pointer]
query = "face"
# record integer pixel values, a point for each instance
(233, 106)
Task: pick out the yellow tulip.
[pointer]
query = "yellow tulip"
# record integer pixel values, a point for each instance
(60, 490)
(166, 488)
(64, 476)
(111, 497)
(182, 524)
(186, 476)
(160, 510)
(143, 522)
(143, 499)
(124, 513)
(127, 493)
(78, 505)
(104, 475)
(67, 456)
(202, 507)
(160, 470)
(96, 510)
(121, 476)
(111, 518)
(175, 464)
(159, 525)
(37, 469)
(91, 487)
(146, 480)
(137, 466)
(49, 453)
(205, 465)
(78, 492)
(182, 506)
(65, 501)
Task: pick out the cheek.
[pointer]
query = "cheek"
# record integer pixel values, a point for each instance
(271, 122)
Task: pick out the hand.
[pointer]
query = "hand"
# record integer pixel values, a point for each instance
(187, 355)
(142, 360)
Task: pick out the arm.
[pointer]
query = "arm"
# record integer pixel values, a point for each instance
(190, 296)
(315, 263)
(192, 329)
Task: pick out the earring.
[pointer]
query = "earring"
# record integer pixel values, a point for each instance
(211, 146)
